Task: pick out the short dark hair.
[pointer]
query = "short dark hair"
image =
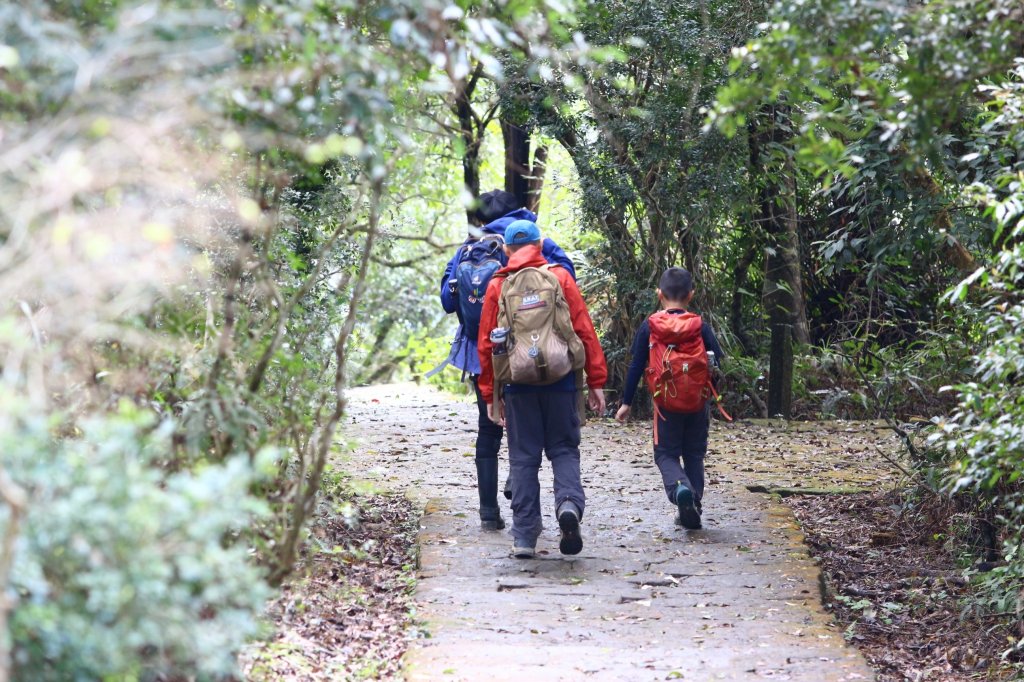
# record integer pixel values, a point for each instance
(676, 284)
(495, 204)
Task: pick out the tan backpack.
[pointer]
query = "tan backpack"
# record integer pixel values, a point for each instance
(541, 347)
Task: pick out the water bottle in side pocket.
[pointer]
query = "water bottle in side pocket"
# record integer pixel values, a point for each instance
(499, 338)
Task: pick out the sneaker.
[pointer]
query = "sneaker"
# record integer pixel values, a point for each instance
(523, 551)
(689, 515)
(569, 523)
(679, 522)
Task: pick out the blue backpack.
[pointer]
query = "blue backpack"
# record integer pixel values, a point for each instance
(478, 262)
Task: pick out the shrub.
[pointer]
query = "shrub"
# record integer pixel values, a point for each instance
(984, 437)
(123, 569)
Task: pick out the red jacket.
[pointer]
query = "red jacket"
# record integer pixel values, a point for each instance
(530, 257)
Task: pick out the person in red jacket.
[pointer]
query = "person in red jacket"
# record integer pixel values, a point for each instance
(541, 418)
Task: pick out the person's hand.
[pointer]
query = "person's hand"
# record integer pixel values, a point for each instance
(596, 400)
(623, 414)
(500, 420)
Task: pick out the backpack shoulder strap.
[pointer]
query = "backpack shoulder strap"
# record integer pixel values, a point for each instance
(500, 278)
(718, 401)
(547, 269)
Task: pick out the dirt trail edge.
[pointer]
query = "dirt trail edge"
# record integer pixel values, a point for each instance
(646, 600)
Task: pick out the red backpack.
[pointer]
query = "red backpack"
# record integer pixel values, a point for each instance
(678, 376)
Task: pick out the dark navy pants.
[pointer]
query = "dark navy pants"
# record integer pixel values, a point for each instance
(548, 422)
(488, 435)
(679, 454)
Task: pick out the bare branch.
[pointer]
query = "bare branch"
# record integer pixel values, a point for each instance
(286, 309)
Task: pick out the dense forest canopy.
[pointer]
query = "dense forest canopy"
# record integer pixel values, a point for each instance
(218, 216)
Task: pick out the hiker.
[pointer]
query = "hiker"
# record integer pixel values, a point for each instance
(535, 339)
(483, 254)
(680, 352)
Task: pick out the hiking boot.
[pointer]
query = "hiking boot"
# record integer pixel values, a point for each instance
(689, 515)
(490, 519)
(523, 551)
(507, 490)
(571, 541)
(487, 485)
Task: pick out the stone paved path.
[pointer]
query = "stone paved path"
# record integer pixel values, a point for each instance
(646, 600)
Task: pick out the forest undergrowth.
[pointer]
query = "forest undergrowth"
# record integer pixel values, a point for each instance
(347, 613)
(895, 577)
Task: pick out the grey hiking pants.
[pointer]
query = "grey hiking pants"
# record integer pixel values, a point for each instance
(679, 454)
(538, 422)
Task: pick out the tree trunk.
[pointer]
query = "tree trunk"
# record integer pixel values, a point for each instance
(536, 180)
(517, 160)
(623, 297)
(470, 133)
(16, 500)
(780, 373)
(783, 265)
(740, 277)
(783, 289)
(778, 216)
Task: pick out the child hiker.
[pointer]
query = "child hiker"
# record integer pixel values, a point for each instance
(677, 345)
(535, 338)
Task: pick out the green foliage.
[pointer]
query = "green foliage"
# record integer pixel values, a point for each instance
(209, 181)
(1000, 590)
(879, 146)
(655, 188)
(422, 353)
(984, 436)
(854, 68)
(908, 129)
(124, 569)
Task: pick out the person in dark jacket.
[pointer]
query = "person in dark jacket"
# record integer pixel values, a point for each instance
(682, 439)
(496, 211)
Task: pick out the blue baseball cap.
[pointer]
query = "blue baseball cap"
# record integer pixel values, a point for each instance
(521, 232)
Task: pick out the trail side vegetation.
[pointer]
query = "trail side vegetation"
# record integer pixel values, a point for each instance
(196, 196)
(218, 216)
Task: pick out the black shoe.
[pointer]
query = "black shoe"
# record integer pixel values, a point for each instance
(490, 519)
(507, 491)
(689, 515)
(487, 486)
(569, 523)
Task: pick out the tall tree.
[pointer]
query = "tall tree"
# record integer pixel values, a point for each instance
(774, 175)
(655, 184)
(474, 110)
(516, 137)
